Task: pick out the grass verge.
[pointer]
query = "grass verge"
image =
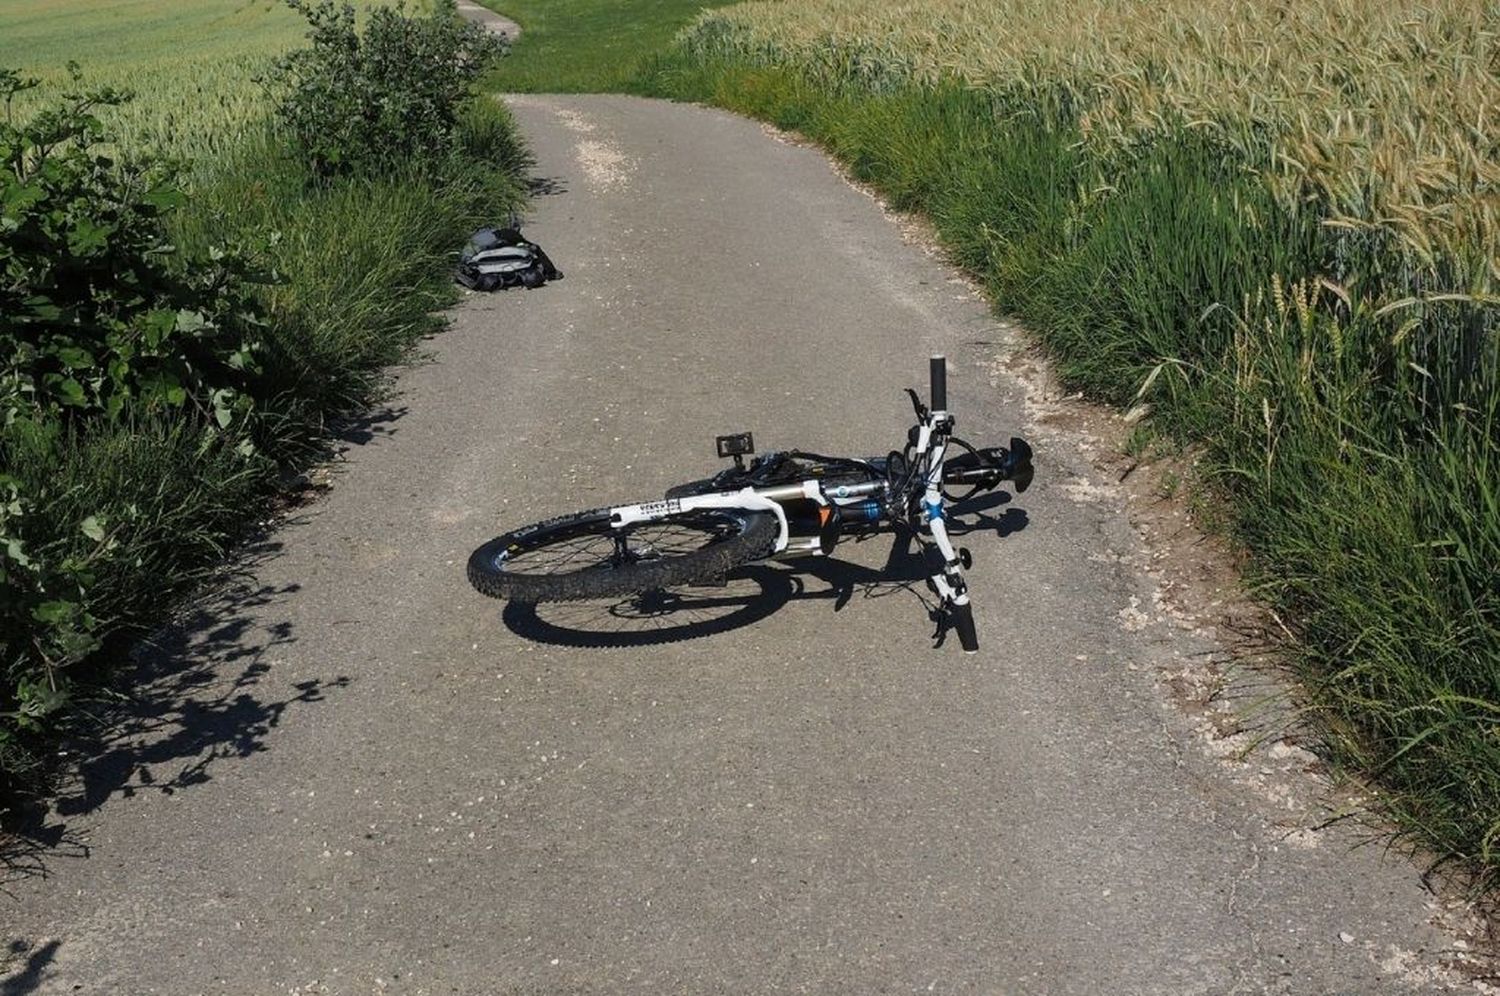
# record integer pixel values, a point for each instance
(137, 508)
(583, 46)
(1358, 445)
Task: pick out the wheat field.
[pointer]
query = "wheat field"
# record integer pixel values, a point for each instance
(1386, 110)
(191, 65)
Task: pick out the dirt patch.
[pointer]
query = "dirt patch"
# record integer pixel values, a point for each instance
(603, 164)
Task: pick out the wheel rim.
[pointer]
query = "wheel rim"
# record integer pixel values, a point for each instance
(599, 546)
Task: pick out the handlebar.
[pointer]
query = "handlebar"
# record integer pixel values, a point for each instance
(938, 367)
(963, 622)
(988, 467)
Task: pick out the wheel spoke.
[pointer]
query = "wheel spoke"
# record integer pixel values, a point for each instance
(600, 546)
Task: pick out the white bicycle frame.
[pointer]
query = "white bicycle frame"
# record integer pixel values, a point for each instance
(746, 498)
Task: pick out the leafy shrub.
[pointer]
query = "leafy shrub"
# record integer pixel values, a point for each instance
(98, 313)
(59, 628)
(101, 523)
(113, 345)
(111, 507)
(390, 98)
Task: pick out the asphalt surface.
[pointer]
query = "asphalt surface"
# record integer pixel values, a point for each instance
(352, 774)
(493, 22)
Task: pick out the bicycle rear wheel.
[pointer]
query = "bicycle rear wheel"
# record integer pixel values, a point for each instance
(582, 556)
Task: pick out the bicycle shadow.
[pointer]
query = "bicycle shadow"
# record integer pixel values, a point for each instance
(754, 592)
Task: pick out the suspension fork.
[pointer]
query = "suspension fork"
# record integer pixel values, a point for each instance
(932, 443)
(948, 580)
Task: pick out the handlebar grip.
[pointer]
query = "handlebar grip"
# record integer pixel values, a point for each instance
(963, 622)
(938, 366)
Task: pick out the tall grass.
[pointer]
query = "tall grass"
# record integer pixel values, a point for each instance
(362, 265)
(1383, 111)
(1347, 412)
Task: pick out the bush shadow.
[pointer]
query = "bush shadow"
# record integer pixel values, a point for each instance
(365, 427)
(546, 186)
(27, 978)
(195, 701)
(195, 698)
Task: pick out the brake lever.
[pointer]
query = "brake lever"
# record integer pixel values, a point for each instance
(939, 618)
(916, 403)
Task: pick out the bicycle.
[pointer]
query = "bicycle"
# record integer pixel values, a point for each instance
(782, 505)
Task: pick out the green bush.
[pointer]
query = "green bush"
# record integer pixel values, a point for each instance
(121, 494)
(98, 313)
(101, 521)
(101, 321)
(388, 99)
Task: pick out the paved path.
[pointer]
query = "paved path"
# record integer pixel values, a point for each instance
(496, 23)
(368, 779)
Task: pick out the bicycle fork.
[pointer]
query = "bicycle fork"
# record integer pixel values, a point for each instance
(948, 582)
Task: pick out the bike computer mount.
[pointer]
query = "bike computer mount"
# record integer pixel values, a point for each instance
(737, 446)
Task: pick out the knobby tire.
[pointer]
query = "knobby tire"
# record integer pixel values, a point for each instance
(741, 536)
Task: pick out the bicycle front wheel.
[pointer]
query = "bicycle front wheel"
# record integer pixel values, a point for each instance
(582, 556)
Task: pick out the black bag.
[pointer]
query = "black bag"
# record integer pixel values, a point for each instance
(496, 258)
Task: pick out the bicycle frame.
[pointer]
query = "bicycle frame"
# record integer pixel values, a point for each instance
(933, 429)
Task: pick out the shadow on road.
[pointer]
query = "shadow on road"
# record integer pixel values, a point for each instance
(546, 186)
(28, 977)
(377, 423)
(192, 697)
(751, 593)
(36, 839)
(194, 701)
